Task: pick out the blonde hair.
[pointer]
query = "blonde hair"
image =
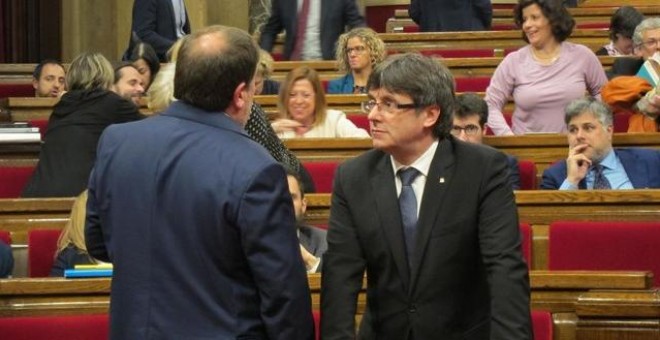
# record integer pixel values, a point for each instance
(173, 52)
(375, 47)
(265, 65)
(312, 76)
(74, 230)
(161, 91)
(90, 71)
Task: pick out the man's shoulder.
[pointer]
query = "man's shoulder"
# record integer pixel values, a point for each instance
(313, 232)
(638, 152)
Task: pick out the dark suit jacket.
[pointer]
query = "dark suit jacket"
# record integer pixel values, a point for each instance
(154, 24)
(451, 15)
(6, 260)
(68, 258)
(514, 172)
(315, 241)
(642, 167)
(335, 16)
(69, 148)
(198, 221)
(468, 279)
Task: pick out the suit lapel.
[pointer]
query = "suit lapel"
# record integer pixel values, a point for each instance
(635, 170)
(390, 216)
(306, 240)
(438, 179)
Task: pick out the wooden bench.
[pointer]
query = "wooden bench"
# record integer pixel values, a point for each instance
(569, 295)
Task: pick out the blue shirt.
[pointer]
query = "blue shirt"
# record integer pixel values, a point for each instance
(612, 170)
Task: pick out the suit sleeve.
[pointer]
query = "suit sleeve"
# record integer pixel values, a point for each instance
(272, 28)
(514, 173)
(352, 15)
(343, 269)
(267, 226)
(414, 10)
(483, 10)
(6, 260)
(94, 236)
(499, 240)
(145, 13)
(549, 181)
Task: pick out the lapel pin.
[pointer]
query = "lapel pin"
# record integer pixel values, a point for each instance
(442, 180)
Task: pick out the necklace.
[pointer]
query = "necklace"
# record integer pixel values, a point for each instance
(547, 60)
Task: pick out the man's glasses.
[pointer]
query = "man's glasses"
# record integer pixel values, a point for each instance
(386, 106)
(650, 43)
(469, 129)
(356, 49)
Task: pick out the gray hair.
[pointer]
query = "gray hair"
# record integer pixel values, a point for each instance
(646, 25)
(597, 108)
(426, 80)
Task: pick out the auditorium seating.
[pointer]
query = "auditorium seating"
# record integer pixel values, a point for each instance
(322, 174)
(42, 245)
(360, 120)
(13, 179)
(69, 327)
(5, 237)
(528, 174)
(526, 243)
(42, 124)
(16, 90)
(542, 325)
(575, 245)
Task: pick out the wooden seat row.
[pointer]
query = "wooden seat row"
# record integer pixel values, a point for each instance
(621, 302)
(582, 15)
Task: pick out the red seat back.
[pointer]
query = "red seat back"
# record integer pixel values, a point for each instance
(13, 179)
(322, 174)
(317, 324)
(542, 325)
(460, 53)
(628, 246)
(527, 170)
(16, 90)
(410, 29)
(42, 245)
(5, 237)
(93, 326)
(473, 84)
(360, 120)
(526, 244)
(42, 124)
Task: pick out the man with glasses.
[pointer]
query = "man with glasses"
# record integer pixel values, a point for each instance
(432, 221)
(647, 44)
(469, 125)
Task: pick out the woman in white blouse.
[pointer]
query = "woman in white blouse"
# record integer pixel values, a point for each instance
(303, 111)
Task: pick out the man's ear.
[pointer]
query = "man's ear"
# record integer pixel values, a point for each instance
(241, 96)
(35, 83)
(303, 205)
(432, 114)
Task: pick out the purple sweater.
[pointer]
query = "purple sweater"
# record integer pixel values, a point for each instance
(541, 92)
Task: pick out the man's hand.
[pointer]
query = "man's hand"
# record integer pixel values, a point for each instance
(577, 164)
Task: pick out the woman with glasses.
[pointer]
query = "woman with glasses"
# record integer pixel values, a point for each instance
(303, 111)
(358, 51)
(544, 76)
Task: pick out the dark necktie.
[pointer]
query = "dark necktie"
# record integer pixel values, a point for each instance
(301, 28)
(600, 181)
(408, 206)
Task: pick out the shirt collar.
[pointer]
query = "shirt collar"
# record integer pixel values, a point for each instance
(609, 162)
(422, 164)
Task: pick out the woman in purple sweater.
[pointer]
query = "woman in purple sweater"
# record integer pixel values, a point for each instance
(544, 76)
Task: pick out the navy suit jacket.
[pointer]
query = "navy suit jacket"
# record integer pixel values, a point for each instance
(468, 279)
(335, 16)
(198, 221)
(451, 15)
(154, 24)
(642, 167)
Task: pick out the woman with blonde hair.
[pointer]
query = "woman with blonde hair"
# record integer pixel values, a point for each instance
(75, 126)
(303, 110)
(71, 249)
(358, 51)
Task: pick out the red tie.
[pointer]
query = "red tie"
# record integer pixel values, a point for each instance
(300, 31)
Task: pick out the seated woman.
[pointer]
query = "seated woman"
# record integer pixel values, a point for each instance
(146, 61)
(264, 70)
(358, 51)
(622, 27)
(303, 111)
(71, 249)
(544, 76)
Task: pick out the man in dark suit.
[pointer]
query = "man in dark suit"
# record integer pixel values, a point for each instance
(6, 260)
(468, 123)
(449, 267)
(322, 30)
(195, 216)
(592, 163)
(158, 23)
(313, 242)
(451, 15)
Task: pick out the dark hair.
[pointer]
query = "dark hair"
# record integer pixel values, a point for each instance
(560, 19)
(426, 80)
(208, 79)
(291, 172)
(144, 51)
(469, 104)
(37, 70)
(120, 66)
(624, 21)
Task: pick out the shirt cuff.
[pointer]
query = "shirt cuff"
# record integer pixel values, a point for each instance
(566, 185)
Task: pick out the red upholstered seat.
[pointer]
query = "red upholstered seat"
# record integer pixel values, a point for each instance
(475, 84)
(42, 124)
(526, 243)
(542, 325)
(593, 25)
(322, 174)
(460, 53)
(13, 179)
(410, 29)
(16, 90)
(605, 246)
(42, 245)
(503, 27)
(5, 236)
(360, 120)
(317, 324)
(70, 327)
(527, 170)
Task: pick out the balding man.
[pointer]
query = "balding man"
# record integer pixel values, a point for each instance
(195, 216)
